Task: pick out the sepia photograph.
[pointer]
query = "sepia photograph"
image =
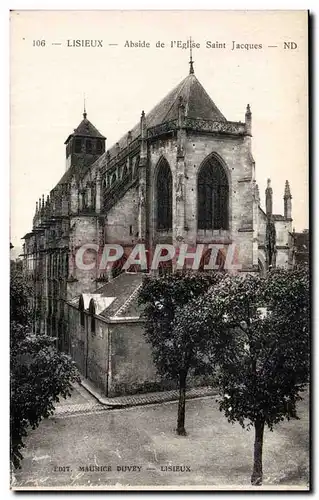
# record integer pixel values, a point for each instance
(159, 250)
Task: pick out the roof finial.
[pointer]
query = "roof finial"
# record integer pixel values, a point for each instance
(84, 109)
(191, 62)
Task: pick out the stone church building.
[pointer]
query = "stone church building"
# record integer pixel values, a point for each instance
(183, 174)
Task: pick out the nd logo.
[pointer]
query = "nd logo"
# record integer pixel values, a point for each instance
(290, 45)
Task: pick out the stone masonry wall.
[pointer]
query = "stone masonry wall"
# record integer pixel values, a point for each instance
(121, 224)
(132, 368)
(234, 153)
(84, 230)
(89, 350)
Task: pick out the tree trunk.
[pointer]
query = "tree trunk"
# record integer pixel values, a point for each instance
(181, 405)
(257, 475)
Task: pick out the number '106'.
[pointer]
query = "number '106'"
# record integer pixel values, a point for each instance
(38, 43)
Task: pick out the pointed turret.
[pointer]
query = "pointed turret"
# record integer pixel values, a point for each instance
(248, 120)
(287, 201)
(287, 190)
(143, 153)
(143, 125)
(268, 193)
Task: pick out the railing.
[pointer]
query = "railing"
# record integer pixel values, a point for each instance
(112, 194)
(163, 128)
(124, 153)
(236, 128)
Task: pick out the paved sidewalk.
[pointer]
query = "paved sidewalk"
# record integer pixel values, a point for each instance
(80, 402)
(148, 398)
(77, 409)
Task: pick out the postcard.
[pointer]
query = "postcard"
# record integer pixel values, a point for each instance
(159, 243)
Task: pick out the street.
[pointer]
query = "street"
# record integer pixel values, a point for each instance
(87, 445)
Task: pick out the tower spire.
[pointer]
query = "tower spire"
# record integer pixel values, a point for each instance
(84, 108)
(191, 62)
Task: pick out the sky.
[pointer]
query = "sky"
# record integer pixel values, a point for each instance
(48, 83)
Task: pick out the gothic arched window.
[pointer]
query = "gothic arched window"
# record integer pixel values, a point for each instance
(164, 196)
(212, 195)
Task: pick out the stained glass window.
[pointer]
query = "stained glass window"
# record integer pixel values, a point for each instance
(213, 196)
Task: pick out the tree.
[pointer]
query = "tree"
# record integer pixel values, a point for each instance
(174, 354)
(39, 374)
(259, 328)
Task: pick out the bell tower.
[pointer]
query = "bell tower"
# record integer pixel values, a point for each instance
(84, 146)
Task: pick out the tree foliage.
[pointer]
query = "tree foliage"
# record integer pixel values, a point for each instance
(175, 353)
(162, 297)
(21, 291)
(39, 374)
(259, 330)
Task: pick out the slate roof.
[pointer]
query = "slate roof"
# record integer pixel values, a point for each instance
(117, 298)
(77, 170)
(121, 287)
(85, 129)
(198, 104)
